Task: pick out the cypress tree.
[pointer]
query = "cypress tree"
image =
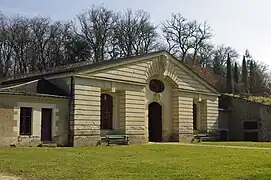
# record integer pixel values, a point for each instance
(251, 76)
(229, 76)
(236, 73)
(244, 74)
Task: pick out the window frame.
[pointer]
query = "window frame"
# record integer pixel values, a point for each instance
(249, 125)
(156, 85)
(26, 116)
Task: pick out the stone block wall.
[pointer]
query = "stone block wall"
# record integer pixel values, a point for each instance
(135, 117)
(10, 120)
(240, 111)
(86, 124)
(175, 117)
(7, 126)
(212, 115)
(185, 118)
(265, 124)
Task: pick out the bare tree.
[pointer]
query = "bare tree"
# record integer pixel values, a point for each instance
(206, 53)
(75, 47)
(221, 53)
(178, 33)
(19, 37)
(184, 36)
(133, 34)
(96, 28)
(5, 48)
(201, 36)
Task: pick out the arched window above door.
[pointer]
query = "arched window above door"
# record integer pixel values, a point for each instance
(106, 116)
(156, 85)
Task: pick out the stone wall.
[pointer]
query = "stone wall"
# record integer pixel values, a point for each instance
(265, 112)
(7, 125)
(10, 119)
(223, 119)
(240, 110)
(185, 118)
(135, 117)
(86, 124)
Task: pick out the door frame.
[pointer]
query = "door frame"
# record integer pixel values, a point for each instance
(36, 116)
(160, 138)
(51, 125)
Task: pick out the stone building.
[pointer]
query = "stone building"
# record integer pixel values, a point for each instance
(153, 97)
(244, 120)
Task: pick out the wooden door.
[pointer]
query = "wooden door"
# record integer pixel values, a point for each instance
(46, 124)
(155, 122)
(195, 123)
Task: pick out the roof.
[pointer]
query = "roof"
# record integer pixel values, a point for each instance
(33, 94)
(71, 68)
(75, 67)
(254, 99)
(217, 81)
(38, 87)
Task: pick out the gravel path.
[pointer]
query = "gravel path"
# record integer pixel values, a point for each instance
(218, 146)
(6, 177)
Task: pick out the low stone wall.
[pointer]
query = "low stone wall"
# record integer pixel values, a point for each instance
(239, 110)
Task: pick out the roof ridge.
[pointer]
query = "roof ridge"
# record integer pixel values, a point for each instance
(73, 66)
(57, 68)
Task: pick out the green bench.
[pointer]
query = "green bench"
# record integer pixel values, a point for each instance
(210, 136)
(116, 137)
(201, 137)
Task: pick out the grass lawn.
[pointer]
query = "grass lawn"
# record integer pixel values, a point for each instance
(232, 143)
(136, 162)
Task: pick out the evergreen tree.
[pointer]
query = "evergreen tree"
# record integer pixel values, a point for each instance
(236, 73)
(229, 76)
(251, 76)
(244, 74)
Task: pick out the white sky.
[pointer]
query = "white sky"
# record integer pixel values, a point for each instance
(242, 24)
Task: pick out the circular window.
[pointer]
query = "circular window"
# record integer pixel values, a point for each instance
(156, 85)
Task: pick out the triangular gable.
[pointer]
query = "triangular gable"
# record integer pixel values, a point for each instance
(185, 71)
(141, 69)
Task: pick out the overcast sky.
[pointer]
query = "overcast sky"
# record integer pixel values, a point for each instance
(242, 24)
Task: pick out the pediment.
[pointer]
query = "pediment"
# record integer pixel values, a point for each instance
(142, 69)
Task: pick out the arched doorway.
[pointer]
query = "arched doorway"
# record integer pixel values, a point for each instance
(155, 122)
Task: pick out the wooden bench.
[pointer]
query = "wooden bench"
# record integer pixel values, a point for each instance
(202, 137)
(116, 137)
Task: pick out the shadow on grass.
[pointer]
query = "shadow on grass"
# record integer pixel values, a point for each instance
(263, 176)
